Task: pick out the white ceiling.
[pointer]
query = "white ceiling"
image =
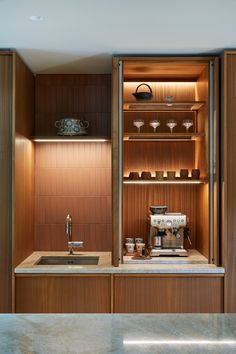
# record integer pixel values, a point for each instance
(80, 36)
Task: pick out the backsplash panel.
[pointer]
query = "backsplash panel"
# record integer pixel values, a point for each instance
(73, 178)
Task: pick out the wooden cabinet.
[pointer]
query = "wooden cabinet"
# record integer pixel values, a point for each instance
(16, 173)
(63, 293)
(119, 293)
(228, 167)
(168, 294)
(182, 89)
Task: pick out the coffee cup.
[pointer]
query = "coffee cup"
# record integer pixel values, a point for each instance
(195, 173)
(159, 175)
(171, 175)
(139, 247)
(146, 175)
(129, 247)
(134, 175)
(138, 240)
(129, 240)
(183, 173)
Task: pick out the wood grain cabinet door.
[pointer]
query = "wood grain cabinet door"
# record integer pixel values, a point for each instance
(167, 294)
(63, 294)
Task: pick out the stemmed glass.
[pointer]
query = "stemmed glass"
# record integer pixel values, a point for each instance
(155, 124)
(138, 123)
(187, 123)
(171, 124)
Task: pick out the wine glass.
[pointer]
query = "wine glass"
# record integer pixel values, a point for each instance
(138, 123)
(171, 124)
(187, 123)
(155, 124)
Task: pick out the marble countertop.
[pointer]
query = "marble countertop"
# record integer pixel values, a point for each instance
(104, 266)
(118, 333)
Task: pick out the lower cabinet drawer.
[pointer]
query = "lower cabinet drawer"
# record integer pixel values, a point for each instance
(63, 293)
(140, 293)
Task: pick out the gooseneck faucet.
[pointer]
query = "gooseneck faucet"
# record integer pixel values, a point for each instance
(71, 244)
(69, 227)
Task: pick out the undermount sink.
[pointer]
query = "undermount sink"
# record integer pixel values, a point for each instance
(68, 260)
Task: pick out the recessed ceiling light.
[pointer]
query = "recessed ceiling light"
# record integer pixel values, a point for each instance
(36, 18)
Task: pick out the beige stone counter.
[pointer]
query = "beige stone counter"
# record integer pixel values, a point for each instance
(29, 265)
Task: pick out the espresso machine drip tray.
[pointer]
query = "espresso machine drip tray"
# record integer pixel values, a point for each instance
(169, 252)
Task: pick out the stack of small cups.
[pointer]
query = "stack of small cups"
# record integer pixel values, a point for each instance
(132, 243)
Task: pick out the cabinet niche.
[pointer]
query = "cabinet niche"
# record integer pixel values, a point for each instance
(180, 91)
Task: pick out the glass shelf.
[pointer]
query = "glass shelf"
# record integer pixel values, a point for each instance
(162, 136)
(162, 106)
(127, 180)
(58, 138)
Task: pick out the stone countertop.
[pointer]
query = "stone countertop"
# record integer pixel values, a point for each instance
(105, 266)
(118, 333)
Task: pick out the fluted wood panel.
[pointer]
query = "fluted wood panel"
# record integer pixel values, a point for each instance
(73, 178)
(152, 156)
(138, 198)
(24, 199)
(86, 293)
(229, 178)
(201, 162)
(24, 162)
(76, 96)
(168, 294)
(24, 98)
(5, 183)
(202, 220)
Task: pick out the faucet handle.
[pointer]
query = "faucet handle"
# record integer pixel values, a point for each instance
(75, 244)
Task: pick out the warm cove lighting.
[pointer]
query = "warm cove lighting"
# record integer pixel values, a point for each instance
(180, 342)
(69, 140)
(164, 182)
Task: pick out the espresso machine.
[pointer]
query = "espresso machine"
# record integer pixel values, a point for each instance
(167, 234)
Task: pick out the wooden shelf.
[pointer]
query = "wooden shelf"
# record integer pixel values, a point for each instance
(76, 138)
(162, 106)
(162, 136)
(177, 180)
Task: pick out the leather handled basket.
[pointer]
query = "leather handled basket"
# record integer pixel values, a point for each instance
(143, 95)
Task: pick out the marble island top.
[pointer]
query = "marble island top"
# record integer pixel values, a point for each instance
(29, 265)
(118, 333)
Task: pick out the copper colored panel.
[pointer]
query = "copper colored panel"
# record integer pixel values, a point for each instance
(73, 178)
(168, 294)
(63, 294)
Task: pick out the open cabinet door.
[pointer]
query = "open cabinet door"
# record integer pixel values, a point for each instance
(117, 173)
(216, 166)
(6, 175)
(228, 177)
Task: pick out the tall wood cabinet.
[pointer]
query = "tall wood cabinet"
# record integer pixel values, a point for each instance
(228, 168)
(16, 170)
(183, 88)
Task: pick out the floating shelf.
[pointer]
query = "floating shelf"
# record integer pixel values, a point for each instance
(58, 138)
(162, 136)
(127, 180)
(162, 106)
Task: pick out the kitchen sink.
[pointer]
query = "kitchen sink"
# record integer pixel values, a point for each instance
(68, 260)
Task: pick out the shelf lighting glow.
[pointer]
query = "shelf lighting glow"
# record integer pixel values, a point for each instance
(180, 342)
(165, 182)
(69, 140)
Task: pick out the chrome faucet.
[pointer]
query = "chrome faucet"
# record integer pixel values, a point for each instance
(71, 244)
(69, 227)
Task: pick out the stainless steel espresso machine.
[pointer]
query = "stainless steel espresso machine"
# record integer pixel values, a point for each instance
(167, 232)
